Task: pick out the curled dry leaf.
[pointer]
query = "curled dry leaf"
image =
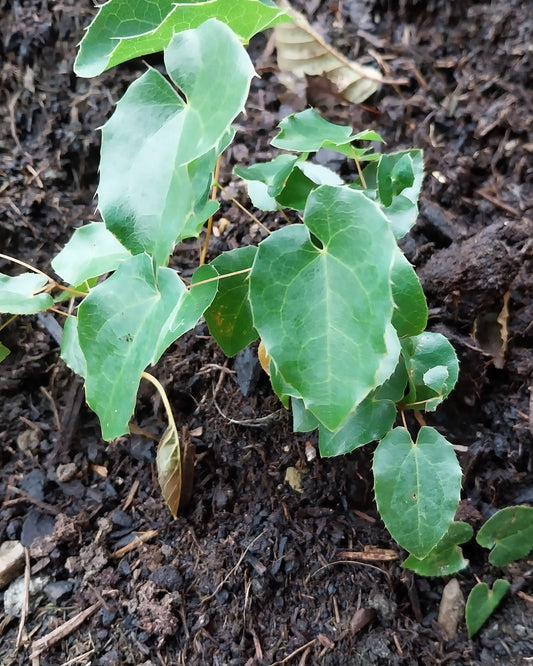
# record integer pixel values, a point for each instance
(168, 461)
(302, 50)
(264, 358)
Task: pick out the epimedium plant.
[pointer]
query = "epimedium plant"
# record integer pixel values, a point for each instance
(339, 310)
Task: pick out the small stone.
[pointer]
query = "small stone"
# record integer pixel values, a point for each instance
(66, 472)
(452, 607)
(121, 518)
(11, 561)
(14, 595)
(57, 590)
(168, 578)
(36, 524)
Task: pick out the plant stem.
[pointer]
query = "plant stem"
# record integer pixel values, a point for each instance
(220, 277)
(163, 394)
(23, 263)
(214, 191)
(245, 210)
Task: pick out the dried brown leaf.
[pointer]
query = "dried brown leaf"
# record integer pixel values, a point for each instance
(302, 50)
(168, 462)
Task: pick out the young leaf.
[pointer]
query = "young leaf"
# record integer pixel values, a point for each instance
(321, 301)
(91, 251)
(307, 132)
(302, 50)
(417, 487)
(229, 316)
(4, 351)
(411, 311)
(126, 29)
(482, 602)
(168, 463)
(446, 558)
(302, 419)
(158, 152)
(20, 294)
(509, 532)
(432, 367)
(273, 174)
(119, 325)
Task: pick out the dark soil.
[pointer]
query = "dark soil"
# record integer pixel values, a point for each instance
(253, 572)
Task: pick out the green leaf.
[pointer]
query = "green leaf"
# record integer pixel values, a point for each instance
(411, 312)
(229, 316)
(158, 152)
(321, 301)
(307, 132)
(91, 251)
(482, 602)
(417, 487)
(446, 558)
(126, 29)
(432, 367)
(119, 325)
(302, 419)
(188, 309)
(394, 175)
(70, 348)
(19, 294)
(371, 420)
(509, 532)
(4, 351)
(273, 174)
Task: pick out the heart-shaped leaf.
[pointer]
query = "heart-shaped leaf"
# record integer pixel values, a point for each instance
(446, 558)
(509, 533)
(482, 602)
(417, 487)
(322, 303)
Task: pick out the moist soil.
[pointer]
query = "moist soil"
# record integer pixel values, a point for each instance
(255, 571)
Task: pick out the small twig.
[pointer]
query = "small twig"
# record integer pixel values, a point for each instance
(219, 277)
(26, 497)
(234, 569)
(43, 643)
(138, 541)
(295, 652)
(209, 228)
(80, 657)
(25, 600)
(245, 210)
(330, 564)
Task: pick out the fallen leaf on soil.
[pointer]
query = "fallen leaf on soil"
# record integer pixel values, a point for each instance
(168, 461)
(451, 608)
(264, 358)
(302, 50)
(491, 333)
(371, 554)
(11, 561)
(294, 478)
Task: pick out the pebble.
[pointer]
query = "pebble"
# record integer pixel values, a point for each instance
(168, 578)
(66, 472)
(452, 607)
(11, 561)
(36, 524)
(57, 590)
(14, 595)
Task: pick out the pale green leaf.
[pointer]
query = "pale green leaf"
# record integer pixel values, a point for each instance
(229, 317)
(417, 487)
(321, 301)
(433, 369)
(126, 29)
(447, 557)
(91, 251)
(158, 152)
(307, 132)
(482, 602)
(119, 325)
(509, 533)
(20, 294)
